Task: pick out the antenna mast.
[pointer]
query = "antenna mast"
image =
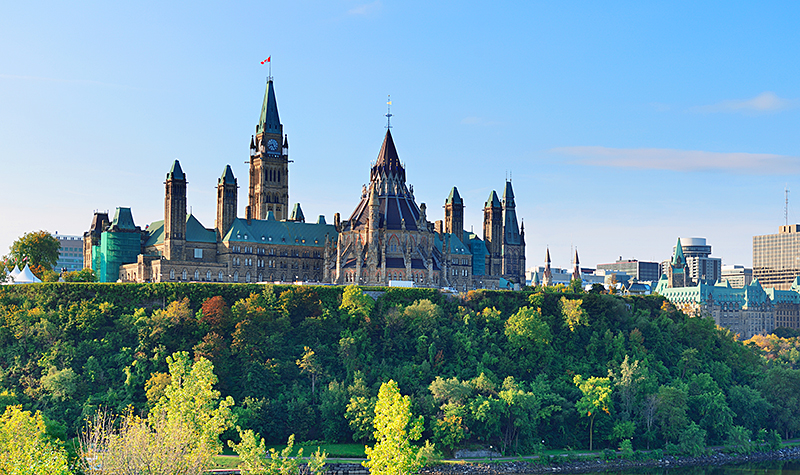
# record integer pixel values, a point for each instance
(786, 205)
(389, 112)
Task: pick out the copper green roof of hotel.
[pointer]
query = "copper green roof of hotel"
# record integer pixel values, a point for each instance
(453, 197)
(492, 201)
(123, 219)
(272, 231)
(227, 176)
(678, 259)
(175, 173)
(268, 121)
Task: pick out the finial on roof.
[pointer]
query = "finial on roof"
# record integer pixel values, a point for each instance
(389, 112)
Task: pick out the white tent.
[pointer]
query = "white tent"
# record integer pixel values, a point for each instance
(26, 276)
(14, 273)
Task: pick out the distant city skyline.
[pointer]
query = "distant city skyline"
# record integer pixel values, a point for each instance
(624, 126)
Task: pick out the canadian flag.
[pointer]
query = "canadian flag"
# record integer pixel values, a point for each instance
(266, 60)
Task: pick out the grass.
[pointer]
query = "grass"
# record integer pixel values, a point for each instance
(229, 459)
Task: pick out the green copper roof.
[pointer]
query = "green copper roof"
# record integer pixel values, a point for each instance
(492, 201)
(456, 246)
(269, 122)
(453, 197)
(175, 173)
(123, 219)
(272, 231)
(227, 176)
(678, 259)
(196, 232)
(297, 214)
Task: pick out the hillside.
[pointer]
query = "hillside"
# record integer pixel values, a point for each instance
(493, 368)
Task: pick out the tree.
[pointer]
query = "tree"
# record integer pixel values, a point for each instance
(254, 459)
(573, 313)
(24, 447)
(526, 330)
(309, 363)
(83, 275)
(596, 397)
(357, 304)
(395, 428)
(37, 248)
(180, 435)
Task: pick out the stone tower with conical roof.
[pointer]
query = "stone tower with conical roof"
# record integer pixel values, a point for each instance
(454, 214)
(513, 248)
(269, 163)
(678, 271)
(493, 234)
(175, 213)
(226, 202)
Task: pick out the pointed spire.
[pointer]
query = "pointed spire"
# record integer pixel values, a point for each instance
(508, 196)
(576, 272)
(678, 259)
(297, 214)
(388, 161)
(227, 176)
(492, 201)
(547, 257)
(175, 173)
(453, 197)
(269, 122)
(285, 141)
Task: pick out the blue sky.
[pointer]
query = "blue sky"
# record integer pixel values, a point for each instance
(622, 124)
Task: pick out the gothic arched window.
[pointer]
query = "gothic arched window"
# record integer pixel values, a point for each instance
(172, 274)
(220, 276)
(196, 274)
(184, 274)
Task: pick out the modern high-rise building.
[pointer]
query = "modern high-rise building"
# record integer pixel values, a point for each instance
(639, 270)
(701, 267)
(70, 256)
(737, 276)
(776, 257)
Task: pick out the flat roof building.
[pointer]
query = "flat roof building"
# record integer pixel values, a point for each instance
(70, 256)
(639, 270)
(776, 257)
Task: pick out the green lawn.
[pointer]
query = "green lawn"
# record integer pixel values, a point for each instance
(229, 459)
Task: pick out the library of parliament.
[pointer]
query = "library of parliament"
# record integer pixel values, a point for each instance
(387, 240)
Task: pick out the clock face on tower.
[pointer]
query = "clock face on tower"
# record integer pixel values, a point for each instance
(272, 145)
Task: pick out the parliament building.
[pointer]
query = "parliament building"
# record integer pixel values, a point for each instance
(387, 239)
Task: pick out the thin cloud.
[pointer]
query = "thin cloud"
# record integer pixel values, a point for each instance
(365, 9)
(765, 102)
(683, 160)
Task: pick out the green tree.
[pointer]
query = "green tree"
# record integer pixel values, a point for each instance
(356, 303)
(83, 275)
(37, 248)
(180, 435)
(254, 459)
(395, 428)
(310, 364)
(24, 447)
(526, 330)
(596, 397)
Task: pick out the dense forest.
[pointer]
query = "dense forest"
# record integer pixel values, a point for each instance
(515, 370)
